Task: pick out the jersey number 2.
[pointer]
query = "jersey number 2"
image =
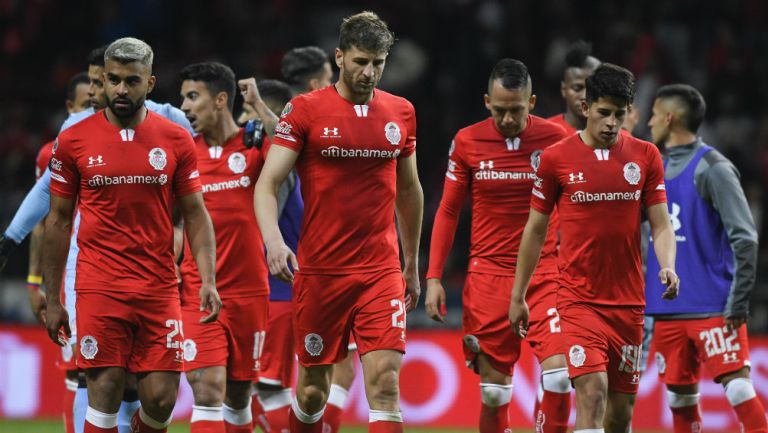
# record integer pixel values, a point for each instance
(396, 322)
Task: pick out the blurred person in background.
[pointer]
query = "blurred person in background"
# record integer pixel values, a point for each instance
(579, 64)
(717, 257)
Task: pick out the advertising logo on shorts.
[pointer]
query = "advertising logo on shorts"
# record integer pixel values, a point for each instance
(392, 132)
(236, 162)
(632, 173)
(89, 347)
(577, 356)
(157, 158)
(314, 344)
(190, 350)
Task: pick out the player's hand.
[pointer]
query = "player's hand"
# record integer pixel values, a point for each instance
(435, 300)
(57, 323)
(249, 90)
(279, 257)
(209, 301)
(518, 317)
(412, 289)
(734, 323)
(669, 278)
(7, 245)
(37, 303)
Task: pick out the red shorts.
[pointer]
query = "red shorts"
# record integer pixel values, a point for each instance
(683, 345)
(134, 331)
(234, 340)
(601, 338)
(544, 334)
(485, 322)
(278, 355)
(329, 308)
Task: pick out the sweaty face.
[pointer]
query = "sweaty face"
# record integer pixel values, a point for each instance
(573, 88)
(126, 87)
(198, 105)
(96, 95)
(604, 119)
(360, 69)
(659, 123)
(509, 108)
(82, 99)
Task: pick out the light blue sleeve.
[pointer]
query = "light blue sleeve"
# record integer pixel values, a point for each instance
(76, 117)
(33, 209)
(171, 113)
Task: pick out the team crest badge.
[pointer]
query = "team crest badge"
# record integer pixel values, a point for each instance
(577, 356)
(236, 162)
(89, 347)
(157, 158)
(314, 344)
(472, 343)
(632, 173)
(287, 109)
(392, 132)
(536, 160)
(190, 350)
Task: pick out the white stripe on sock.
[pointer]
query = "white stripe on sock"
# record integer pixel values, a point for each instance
(207, 413)
(384, 415)
(338, 396)
(100, 419)
(152, 423)
(238, 416)
(305, 417)
(274, 400)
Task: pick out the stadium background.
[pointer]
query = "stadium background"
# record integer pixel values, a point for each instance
(441, 61)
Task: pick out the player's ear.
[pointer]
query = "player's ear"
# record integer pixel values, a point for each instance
(584, 108)
(70, 105)
(339, 57)
(222, 100)
(487, 101)
(151, 83)
(531, 102)
(314, 83)
(562, 89)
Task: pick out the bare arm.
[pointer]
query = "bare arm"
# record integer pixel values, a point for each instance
(34, 275)
(280, 161)
(665, 248)
(252, 97)
(534, 236)
(58, 228)
(409, 207)
(202, 242)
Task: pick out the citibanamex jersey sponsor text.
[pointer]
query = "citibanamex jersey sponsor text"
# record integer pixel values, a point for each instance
(99, 180)
(340, 152)
(586, 197)
(503, 175)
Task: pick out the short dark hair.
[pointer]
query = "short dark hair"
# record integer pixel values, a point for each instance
(96, 56)
(367, 32)
(78, 79)
(217, 77)
(577, 54)
(512, 73)
(611, 81)
(689, 99)
(275, 91)
(303, 64)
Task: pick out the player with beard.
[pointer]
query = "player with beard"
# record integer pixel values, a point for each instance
(579, 64)
(222, 357)
(126, 167)
(492, 160)
(354, 148)
(598, 175)
(717, 250)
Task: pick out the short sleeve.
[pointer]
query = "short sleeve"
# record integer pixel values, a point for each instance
(293, 126)
(186, 178)
(545, 187)
(410, 140)
(654, 190)
(65, 177)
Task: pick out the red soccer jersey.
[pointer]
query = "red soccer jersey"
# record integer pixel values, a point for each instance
(599, 194)
(127, 181)
(348, 171)
(43, 156)
(228, 175)
(560, 120)
(499, 174)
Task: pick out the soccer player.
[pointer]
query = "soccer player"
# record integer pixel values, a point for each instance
(222, 357)
(126, 167)
(599, 179)
(579, 64)
(354, 148)
(492, 160)
(717, 253)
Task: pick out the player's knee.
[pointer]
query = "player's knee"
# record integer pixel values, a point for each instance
(238, 394)
(495, 395)
(556, 380)
(311, 398)
(386, 385)
(159, 399)
(207, 391)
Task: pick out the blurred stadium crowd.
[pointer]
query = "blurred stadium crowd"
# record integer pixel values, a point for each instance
(440, 62)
